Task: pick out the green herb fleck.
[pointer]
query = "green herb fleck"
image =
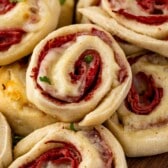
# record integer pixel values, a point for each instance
(45, 79)
(62, 2)
(72, 127)
(15, 1)
(16, 139)
(88, 58)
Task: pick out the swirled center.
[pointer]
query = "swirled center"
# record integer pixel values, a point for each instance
(143, 96)
(87, 68)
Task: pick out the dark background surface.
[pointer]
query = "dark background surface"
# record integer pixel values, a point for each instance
(157, 161)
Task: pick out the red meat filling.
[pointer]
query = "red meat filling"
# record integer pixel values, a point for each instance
(143, 96)
(154, 20)
(9, 37)
(155, 9)
(66, 154)
(153, 6)
(5, 6)
(91, 70)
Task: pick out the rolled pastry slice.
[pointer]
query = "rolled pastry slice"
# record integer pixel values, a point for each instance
(23, 116)
(6, 143)
(67, 10)
(128, 48)
(23, 25)
(78, 73)
(148, 41)
(62, 145)
(142, 16)
(140, 123)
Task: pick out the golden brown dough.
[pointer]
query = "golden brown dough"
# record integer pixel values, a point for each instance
(23, 116)
(25, 24)
(140, 123)
(78, 73)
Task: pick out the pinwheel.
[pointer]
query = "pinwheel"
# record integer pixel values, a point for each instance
(143, 23)
(23, 25)
(78, 73)
(61, 145)
(140, 123)
(23, 116)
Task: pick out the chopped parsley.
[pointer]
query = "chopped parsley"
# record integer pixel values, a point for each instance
(62, 2)
(45, 79)
(72, 127)
(88, 58)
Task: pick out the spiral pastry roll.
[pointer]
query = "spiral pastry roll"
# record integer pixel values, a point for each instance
(5, 145)
(143, 23)
(66, 15)
(140, 123)
(62, 145)
(23, 116)
(23, 25)
(78, 73)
